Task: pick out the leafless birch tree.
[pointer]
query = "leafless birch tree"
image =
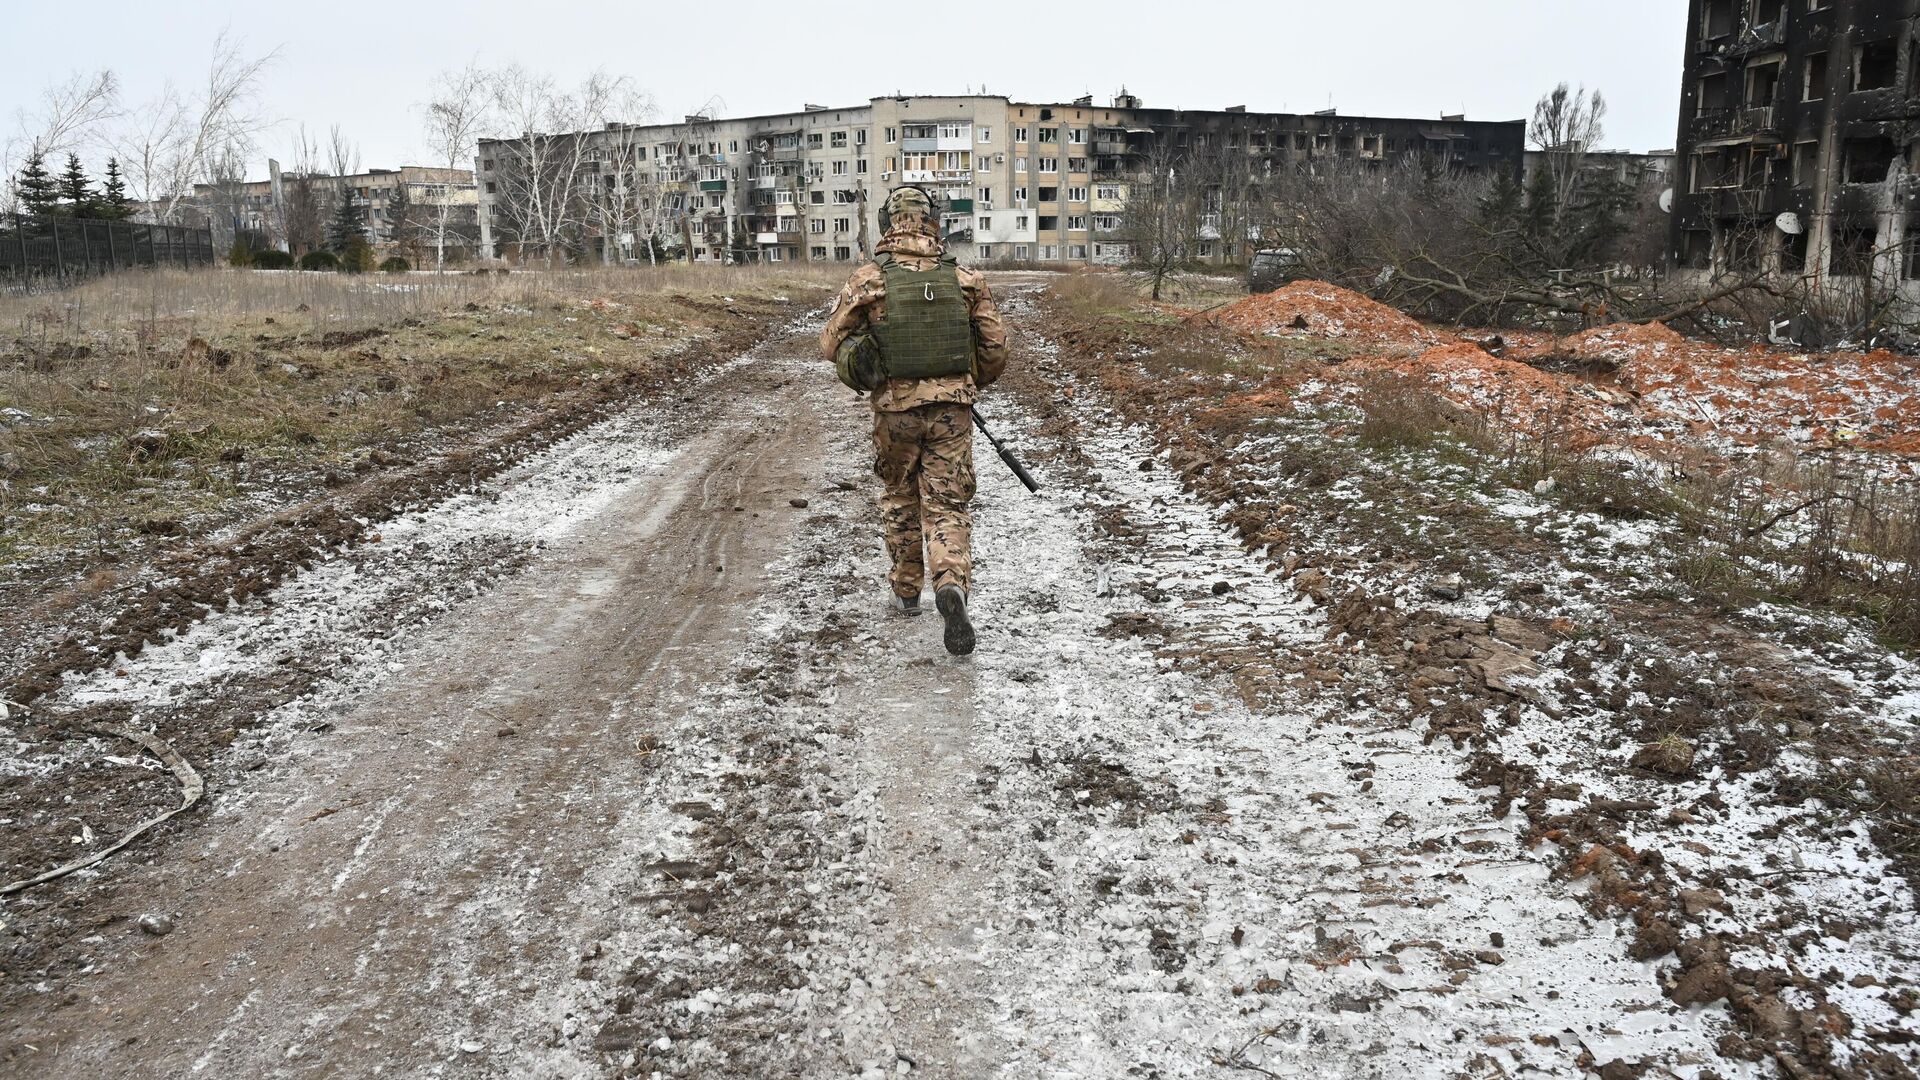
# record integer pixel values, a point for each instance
(455, 116)
(70, 113)
(541, 168)
(175, 137)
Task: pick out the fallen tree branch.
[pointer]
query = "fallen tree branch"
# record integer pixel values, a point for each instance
(191, 787)
(1808, 504)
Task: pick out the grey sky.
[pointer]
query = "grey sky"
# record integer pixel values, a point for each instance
(365, 66)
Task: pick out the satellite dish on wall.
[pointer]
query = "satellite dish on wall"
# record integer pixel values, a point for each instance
(1666, 201)
(1789, 223)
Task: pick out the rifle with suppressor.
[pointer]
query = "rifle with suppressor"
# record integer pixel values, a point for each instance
(1006, 455)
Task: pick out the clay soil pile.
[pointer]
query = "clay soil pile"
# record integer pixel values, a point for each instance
(1508, 393)
(1318, 309)
(1759, 393)
(1629, 383)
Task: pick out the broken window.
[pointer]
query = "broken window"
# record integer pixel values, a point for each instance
(1853, 251)
(1049, 221)
(1867, 160)
(1763, 82)
(1806, 158)
(1696, 249)
(1747, 244)
(1814, 80)
(1712, 95)
(1716, 19)
(1769, 11)
(1793, 253)
(1910, 251)
(1876, 65)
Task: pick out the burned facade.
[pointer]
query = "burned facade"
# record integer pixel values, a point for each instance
(1016, 181)
(1798, 139)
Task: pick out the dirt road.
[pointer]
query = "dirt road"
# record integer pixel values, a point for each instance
(639, 778)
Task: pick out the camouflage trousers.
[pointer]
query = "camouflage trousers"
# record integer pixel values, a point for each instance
(925, 458)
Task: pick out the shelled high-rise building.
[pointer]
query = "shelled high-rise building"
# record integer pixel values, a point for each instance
(1015, 181)
(1796, 155)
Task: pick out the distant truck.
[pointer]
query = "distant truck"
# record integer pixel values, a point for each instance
(1272, 268)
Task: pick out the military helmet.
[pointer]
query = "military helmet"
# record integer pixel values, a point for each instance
(907, 202)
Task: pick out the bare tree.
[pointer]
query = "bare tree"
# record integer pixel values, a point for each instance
(306, 216)
(67, 113)
(1161, 222)
(613, 182)
(177, 136)
(1565, 125)
(455, 115)
(540, 168)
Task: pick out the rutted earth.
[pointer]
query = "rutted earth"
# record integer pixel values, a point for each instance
(618, 766)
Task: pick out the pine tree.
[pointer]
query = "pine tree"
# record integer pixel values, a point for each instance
(347, 225)
(401, 228)
(1499, 208)
(76, 190)
(39, 192)
(114, 204)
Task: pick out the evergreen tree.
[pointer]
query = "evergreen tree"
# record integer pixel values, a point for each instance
(76, 191)
(114, 204)
(1543, 203)
(1500, 207)
(402, 229)
(39, 191)
(347, 225)
(1597, 219)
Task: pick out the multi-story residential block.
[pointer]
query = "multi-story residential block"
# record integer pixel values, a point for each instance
(1015, 181)
(1651, 170)
(1797, 153)
(259, 207)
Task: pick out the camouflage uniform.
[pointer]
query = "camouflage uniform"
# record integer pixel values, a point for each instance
(923, 428)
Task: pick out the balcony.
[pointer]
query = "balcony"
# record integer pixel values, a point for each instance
(713, 185)
(959, 206)
(958, 236)
(766, 238)
(1733, 124)
(1109, 146)
(1751, 39)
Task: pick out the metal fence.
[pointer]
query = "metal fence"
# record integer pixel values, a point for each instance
(34, 247)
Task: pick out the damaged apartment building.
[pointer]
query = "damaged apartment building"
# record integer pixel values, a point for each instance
(1015, 182)
(1798, 141)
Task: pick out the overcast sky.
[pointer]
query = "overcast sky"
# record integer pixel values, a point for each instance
(365, 66)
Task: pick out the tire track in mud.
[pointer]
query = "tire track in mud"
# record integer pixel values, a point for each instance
(1081, 856)
(415, 893)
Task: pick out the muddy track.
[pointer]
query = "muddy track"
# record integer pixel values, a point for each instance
(212, 575)
(467, 817)
(647, 783)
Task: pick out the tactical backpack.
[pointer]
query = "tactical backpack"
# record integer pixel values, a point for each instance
(928, 329)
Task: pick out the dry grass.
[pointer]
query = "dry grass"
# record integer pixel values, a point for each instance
(1401, 412)
(138, 403)
(318, 302)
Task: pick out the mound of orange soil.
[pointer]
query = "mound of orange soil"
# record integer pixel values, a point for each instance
(1507, 393)
(1318, 309)
(1762, 392)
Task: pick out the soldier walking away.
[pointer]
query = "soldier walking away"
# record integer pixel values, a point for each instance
(920, 333)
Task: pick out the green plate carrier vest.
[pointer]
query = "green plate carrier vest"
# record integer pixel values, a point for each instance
(928, 329)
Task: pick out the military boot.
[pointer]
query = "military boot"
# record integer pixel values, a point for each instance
(906, 605)
(952, 602)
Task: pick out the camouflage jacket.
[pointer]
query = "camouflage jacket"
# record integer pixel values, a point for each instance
(864, 298)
